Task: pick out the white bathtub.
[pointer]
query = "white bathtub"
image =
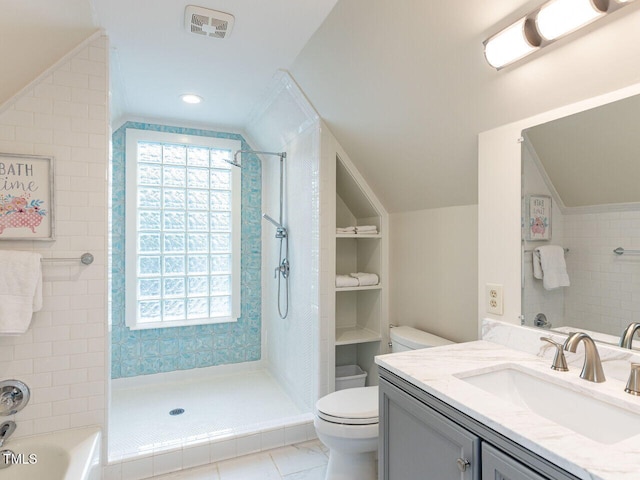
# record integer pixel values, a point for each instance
(67, 455)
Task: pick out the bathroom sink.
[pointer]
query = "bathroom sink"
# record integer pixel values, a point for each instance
(588, 416)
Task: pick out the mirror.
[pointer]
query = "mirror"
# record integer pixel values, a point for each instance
(588, 164)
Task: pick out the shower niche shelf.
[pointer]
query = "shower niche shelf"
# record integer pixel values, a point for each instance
(359, 312)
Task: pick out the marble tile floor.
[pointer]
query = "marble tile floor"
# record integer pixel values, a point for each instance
(303, 461)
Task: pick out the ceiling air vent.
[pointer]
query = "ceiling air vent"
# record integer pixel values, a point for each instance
(206, 22)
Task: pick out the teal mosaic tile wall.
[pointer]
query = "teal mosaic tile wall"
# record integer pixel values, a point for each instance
(143, 352)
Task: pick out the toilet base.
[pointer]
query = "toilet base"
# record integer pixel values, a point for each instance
(352, 466)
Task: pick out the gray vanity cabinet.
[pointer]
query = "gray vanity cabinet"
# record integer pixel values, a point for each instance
(423, 438)
(498, 466)
(419, 443)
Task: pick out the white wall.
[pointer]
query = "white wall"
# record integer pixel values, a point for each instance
(292, 345)
(499, 201)
(64, 114)
(433, 271)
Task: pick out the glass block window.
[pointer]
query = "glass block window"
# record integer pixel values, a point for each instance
(183, 230)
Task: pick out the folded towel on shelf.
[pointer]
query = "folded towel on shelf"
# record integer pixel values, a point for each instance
(554, 268)
(20, 290)
(366, 279)
(343, 281)
(366, 229)
(346, 230)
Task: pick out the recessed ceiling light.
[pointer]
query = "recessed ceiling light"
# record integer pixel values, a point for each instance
(191, 98)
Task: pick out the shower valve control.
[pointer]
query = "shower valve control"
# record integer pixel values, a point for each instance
(283, 269)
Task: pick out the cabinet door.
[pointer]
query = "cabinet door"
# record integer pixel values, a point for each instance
(499, 466)
(417, 443)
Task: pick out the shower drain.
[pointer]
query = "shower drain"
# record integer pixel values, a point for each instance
(177, 411)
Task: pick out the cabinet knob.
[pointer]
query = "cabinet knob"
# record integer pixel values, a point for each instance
(463, 464)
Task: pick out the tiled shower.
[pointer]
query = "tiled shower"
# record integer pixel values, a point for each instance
(270, 363)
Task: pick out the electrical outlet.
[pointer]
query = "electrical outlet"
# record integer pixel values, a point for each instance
(494, 298)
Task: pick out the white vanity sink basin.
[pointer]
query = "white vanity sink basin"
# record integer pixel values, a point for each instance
(588, 416)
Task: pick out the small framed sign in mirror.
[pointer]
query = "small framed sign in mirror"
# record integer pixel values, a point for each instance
(537, 217)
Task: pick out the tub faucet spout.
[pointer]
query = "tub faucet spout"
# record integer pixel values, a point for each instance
(592, 368)
(6, 429)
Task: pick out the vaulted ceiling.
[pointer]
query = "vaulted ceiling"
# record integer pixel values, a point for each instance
(403, 85)
(34, 34)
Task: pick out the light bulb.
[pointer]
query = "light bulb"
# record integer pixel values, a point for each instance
(508, 45)
(559, 17)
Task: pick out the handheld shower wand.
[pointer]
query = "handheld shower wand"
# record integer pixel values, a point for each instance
(283, 268)
(281, 230)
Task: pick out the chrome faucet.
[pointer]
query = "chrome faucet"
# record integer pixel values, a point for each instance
(633, 384)
(559, 362)
(6, 429)
(592, 368)
(541, 321)
(627, 335)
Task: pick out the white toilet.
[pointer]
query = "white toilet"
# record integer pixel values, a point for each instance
(347, 420)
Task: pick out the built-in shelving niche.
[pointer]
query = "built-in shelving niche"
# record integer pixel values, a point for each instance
(359, 319)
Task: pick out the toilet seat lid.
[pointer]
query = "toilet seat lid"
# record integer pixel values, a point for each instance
(352, 406)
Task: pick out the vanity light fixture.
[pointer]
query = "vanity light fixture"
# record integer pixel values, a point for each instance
(543, 26)
(190, 98)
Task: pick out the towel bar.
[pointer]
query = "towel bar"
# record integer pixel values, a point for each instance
(622, 251)
(566, 250)
(85, 259)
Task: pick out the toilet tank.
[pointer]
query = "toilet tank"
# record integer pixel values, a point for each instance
(409, 338)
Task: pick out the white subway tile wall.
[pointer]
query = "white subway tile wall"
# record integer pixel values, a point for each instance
(536, 299)
(604, 286)
(62, 356)
(289, 123)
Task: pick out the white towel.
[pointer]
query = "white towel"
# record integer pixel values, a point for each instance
(346, 230)
(537, 268)
(20, 290)
(366, 229)
(366, 279)
(343, 281)
(554, 268)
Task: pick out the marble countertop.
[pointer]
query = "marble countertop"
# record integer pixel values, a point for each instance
(438, 371)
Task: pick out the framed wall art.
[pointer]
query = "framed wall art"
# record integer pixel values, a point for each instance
(26, 197)
(538, 217)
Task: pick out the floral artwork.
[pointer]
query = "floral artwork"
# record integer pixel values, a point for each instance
(26, 190)
(17, 212)
(539, 214)
(539, 225)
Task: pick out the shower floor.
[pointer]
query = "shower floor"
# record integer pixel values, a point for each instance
(215, 406)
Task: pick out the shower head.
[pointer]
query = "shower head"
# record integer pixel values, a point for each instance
(281, 231)
(275, 223)
(235, 162)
